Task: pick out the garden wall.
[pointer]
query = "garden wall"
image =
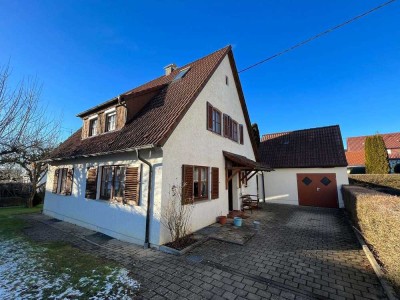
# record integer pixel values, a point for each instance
(377, 216)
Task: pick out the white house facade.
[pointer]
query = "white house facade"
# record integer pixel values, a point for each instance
(190, 127)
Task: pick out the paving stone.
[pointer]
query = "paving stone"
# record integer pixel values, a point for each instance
(310, 249)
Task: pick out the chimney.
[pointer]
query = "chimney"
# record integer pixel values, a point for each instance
(168, 69)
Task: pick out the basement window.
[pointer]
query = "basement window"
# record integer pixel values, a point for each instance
(181, 74)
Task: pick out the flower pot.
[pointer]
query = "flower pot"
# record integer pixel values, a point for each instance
(222, 220)
(237, 221)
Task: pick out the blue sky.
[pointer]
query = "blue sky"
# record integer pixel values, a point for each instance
(86, 52)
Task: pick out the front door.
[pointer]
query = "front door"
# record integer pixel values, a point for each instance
(317, 189)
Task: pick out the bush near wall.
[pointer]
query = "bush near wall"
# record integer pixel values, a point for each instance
(377, 216)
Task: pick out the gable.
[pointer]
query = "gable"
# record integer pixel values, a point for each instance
(194, 126)
(152, 125)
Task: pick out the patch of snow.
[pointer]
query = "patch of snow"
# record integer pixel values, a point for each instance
(23, 275)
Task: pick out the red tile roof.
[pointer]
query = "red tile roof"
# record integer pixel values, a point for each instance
(308, 148)
(392, 141)
(355, 158)
(158, 118)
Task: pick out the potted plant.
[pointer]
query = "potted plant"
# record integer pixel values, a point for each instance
(221, 220)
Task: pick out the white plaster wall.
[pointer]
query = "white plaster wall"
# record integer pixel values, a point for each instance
(281, 184)
(191, 143)
(121, 221)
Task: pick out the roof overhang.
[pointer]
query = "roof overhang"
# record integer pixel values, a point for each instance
(150, 146)
(241, 162)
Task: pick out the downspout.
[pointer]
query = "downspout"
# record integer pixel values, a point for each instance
(147, 232)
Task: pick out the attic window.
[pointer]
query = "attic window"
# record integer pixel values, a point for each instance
(181, 74)
(226, 80)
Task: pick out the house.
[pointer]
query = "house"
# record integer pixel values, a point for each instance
(310, 167)
(355, 153)
(189, 127)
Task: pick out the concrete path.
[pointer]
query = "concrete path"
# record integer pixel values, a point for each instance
(298, 253)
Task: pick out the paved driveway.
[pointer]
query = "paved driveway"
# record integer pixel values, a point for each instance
(298, 253)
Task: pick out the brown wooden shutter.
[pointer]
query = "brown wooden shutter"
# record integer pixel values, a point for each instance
(209, 116)
(226, 125)
(187, 184)
(230, 128)
(68, 186)
(91, 183)
(55, 180)
(132, 186)
(121, 116)
(241, 138)
(85, 128)
(214, 183)
(101, 123)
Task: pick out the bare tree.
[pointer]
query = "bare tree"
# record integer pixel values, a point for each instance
(176, 217)
(27, 134)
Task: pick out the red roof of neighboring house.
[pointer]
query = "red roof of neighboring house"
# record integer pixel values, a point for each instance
(315, 147)
(355, 148)
(159, 117)
(392, 141)
(355, 158)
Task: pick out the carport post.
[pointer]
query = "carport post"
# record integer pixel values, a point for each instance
(263, 187)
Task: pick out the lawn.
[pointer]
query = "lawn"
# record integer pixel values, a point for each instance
(30, 270)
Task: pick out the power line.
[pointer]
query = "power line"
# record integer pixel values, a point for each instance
(318, 35)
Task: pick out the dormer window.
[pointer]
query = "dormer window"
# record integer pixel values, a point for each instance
(110, 121)
(181, 73)
(93, 127)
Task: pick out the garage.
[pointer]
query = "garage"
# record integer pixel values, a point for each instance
(317, 190)
(309, 167)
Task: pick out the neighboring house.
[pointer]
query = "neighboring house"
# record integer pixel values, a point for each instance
(355, 153)
(309, 167)
(190, 126)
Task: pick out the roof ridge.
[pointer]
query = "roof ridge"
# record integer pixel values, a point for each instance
(179, 68)
(363, 136)
(299, 130)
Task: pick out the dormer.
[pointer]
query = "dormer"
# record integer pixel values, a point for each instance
(106, 117)
(114, 114)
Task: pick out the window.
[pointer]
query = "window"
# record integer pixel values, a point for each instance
(200, 182)
(62, 181)
(110, 121)
(216, 115)
(112, 182)
(195, 183)
(181, 74)
(235, 131)
(226, 80)
(213, 119)
(93, 127)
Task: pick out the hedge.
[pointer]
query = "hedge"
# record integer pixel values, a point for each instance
(377, 216)
(389, 180)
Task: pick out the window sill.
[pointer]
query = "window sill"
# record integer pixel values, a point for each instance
(198, 200)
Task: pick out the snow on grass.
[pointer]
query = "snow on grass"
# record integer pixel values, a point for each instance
(24, 274)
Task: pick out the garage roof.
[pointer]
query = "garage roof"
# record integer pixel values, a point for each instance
(307, 148)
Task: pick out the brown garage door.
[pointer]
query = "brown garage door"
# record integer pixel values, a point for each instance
(317, 189)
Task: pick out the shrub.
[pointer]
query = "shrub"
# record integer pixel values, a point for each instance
(377, 215)
(396, 169)
(376, 157)
(176, 218)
